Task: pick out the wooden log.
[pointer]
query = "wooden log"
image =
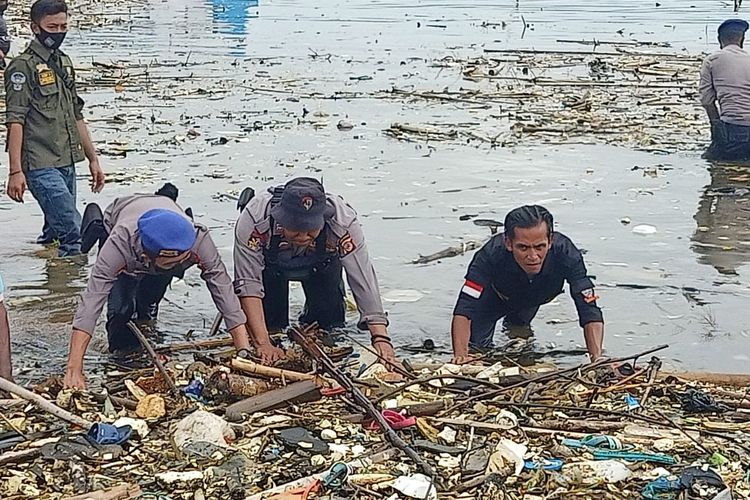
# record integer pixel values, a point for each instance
(126, 403)
(426, 409)
(121, 492)
(728, 379)
(448, 252)
(304, 391)
(251, 368)
(44, 404)
(470, 484)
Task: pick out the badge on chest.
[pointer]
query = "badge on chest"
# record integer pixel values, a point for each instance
(46, 75)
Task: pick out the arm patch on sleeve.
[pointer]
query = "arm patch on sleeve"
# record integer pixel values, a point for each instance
(346, 245)
(589, 296)
(472, 289)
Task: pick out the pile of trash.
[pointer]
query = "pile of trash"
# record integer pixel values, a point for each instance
(323, 424)
(645, 100)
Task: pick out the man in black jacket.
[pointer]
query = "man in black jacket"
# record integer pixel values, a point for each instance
(516, 272)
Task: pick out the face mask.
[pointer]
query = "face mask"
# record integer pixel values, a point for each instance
(164, 270)
(50, 40)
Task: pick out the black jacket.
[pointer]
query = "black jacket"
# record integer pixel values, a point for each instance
(495, 283)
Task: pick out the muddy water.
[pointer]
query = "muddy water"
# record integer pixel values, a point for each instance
(241, 76)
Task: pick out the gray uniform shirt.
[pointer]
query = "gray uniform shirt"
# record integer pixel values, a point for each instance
(123, 253)
(725, 77)
(344, 237)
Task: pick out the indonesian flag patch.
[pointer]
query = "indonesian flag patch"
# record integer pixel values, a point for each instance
(472, 289)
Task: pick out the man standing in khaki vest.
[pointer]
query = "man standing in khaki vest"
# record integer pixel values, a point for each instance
(46, 132)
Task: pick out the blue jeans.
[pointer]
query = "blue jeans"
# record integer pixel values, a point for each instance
(55, 191)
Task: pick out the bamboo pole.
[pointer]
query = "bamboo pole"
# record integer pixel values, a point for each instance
(251, 368)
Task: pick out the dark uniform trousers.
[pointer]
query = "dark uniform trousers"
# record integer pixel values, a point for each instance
(133, 299)
(324, 296)
(483, 325)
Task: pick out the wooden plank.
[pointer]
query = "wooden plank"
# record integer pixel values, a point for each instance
(299, 392)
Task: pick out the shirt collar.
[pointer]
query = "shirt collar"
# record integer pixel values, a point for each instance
(733, 48)
(40, 49)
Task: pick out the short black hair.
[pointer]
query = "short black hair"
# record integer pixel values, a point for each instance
(732, 34)
(44, 8)
(525, 217)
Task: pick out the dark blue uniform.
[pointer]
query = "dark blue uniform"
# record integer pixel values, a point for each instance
(496, 287)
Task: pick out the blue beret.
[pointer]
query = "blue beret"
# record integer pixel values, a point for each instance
(735, 23)
(166, 233)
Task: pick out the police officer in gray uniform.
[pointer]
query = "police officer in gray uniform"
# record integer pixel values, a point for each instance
(149, 240)
(298, 232)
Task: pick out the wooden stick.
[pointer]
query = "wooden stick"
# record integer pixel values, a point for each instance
(256, 369)
(124, 402)
(154, 357)
(652, 374)
(215, 325)
(44, 404)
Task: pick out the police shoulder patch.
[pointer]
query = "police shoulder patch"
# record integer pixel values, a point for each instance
(346, 245)
(18, 78)
(256, 240)
(589, 296)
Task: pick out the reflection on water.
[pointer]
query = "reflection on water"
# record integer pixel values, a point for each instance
(722, 236)
(60, 281)
(231, 16)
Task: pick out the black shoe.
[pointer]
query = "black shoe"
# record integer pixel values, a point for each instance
(169, 190)
(92, 227)
(246, 195)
